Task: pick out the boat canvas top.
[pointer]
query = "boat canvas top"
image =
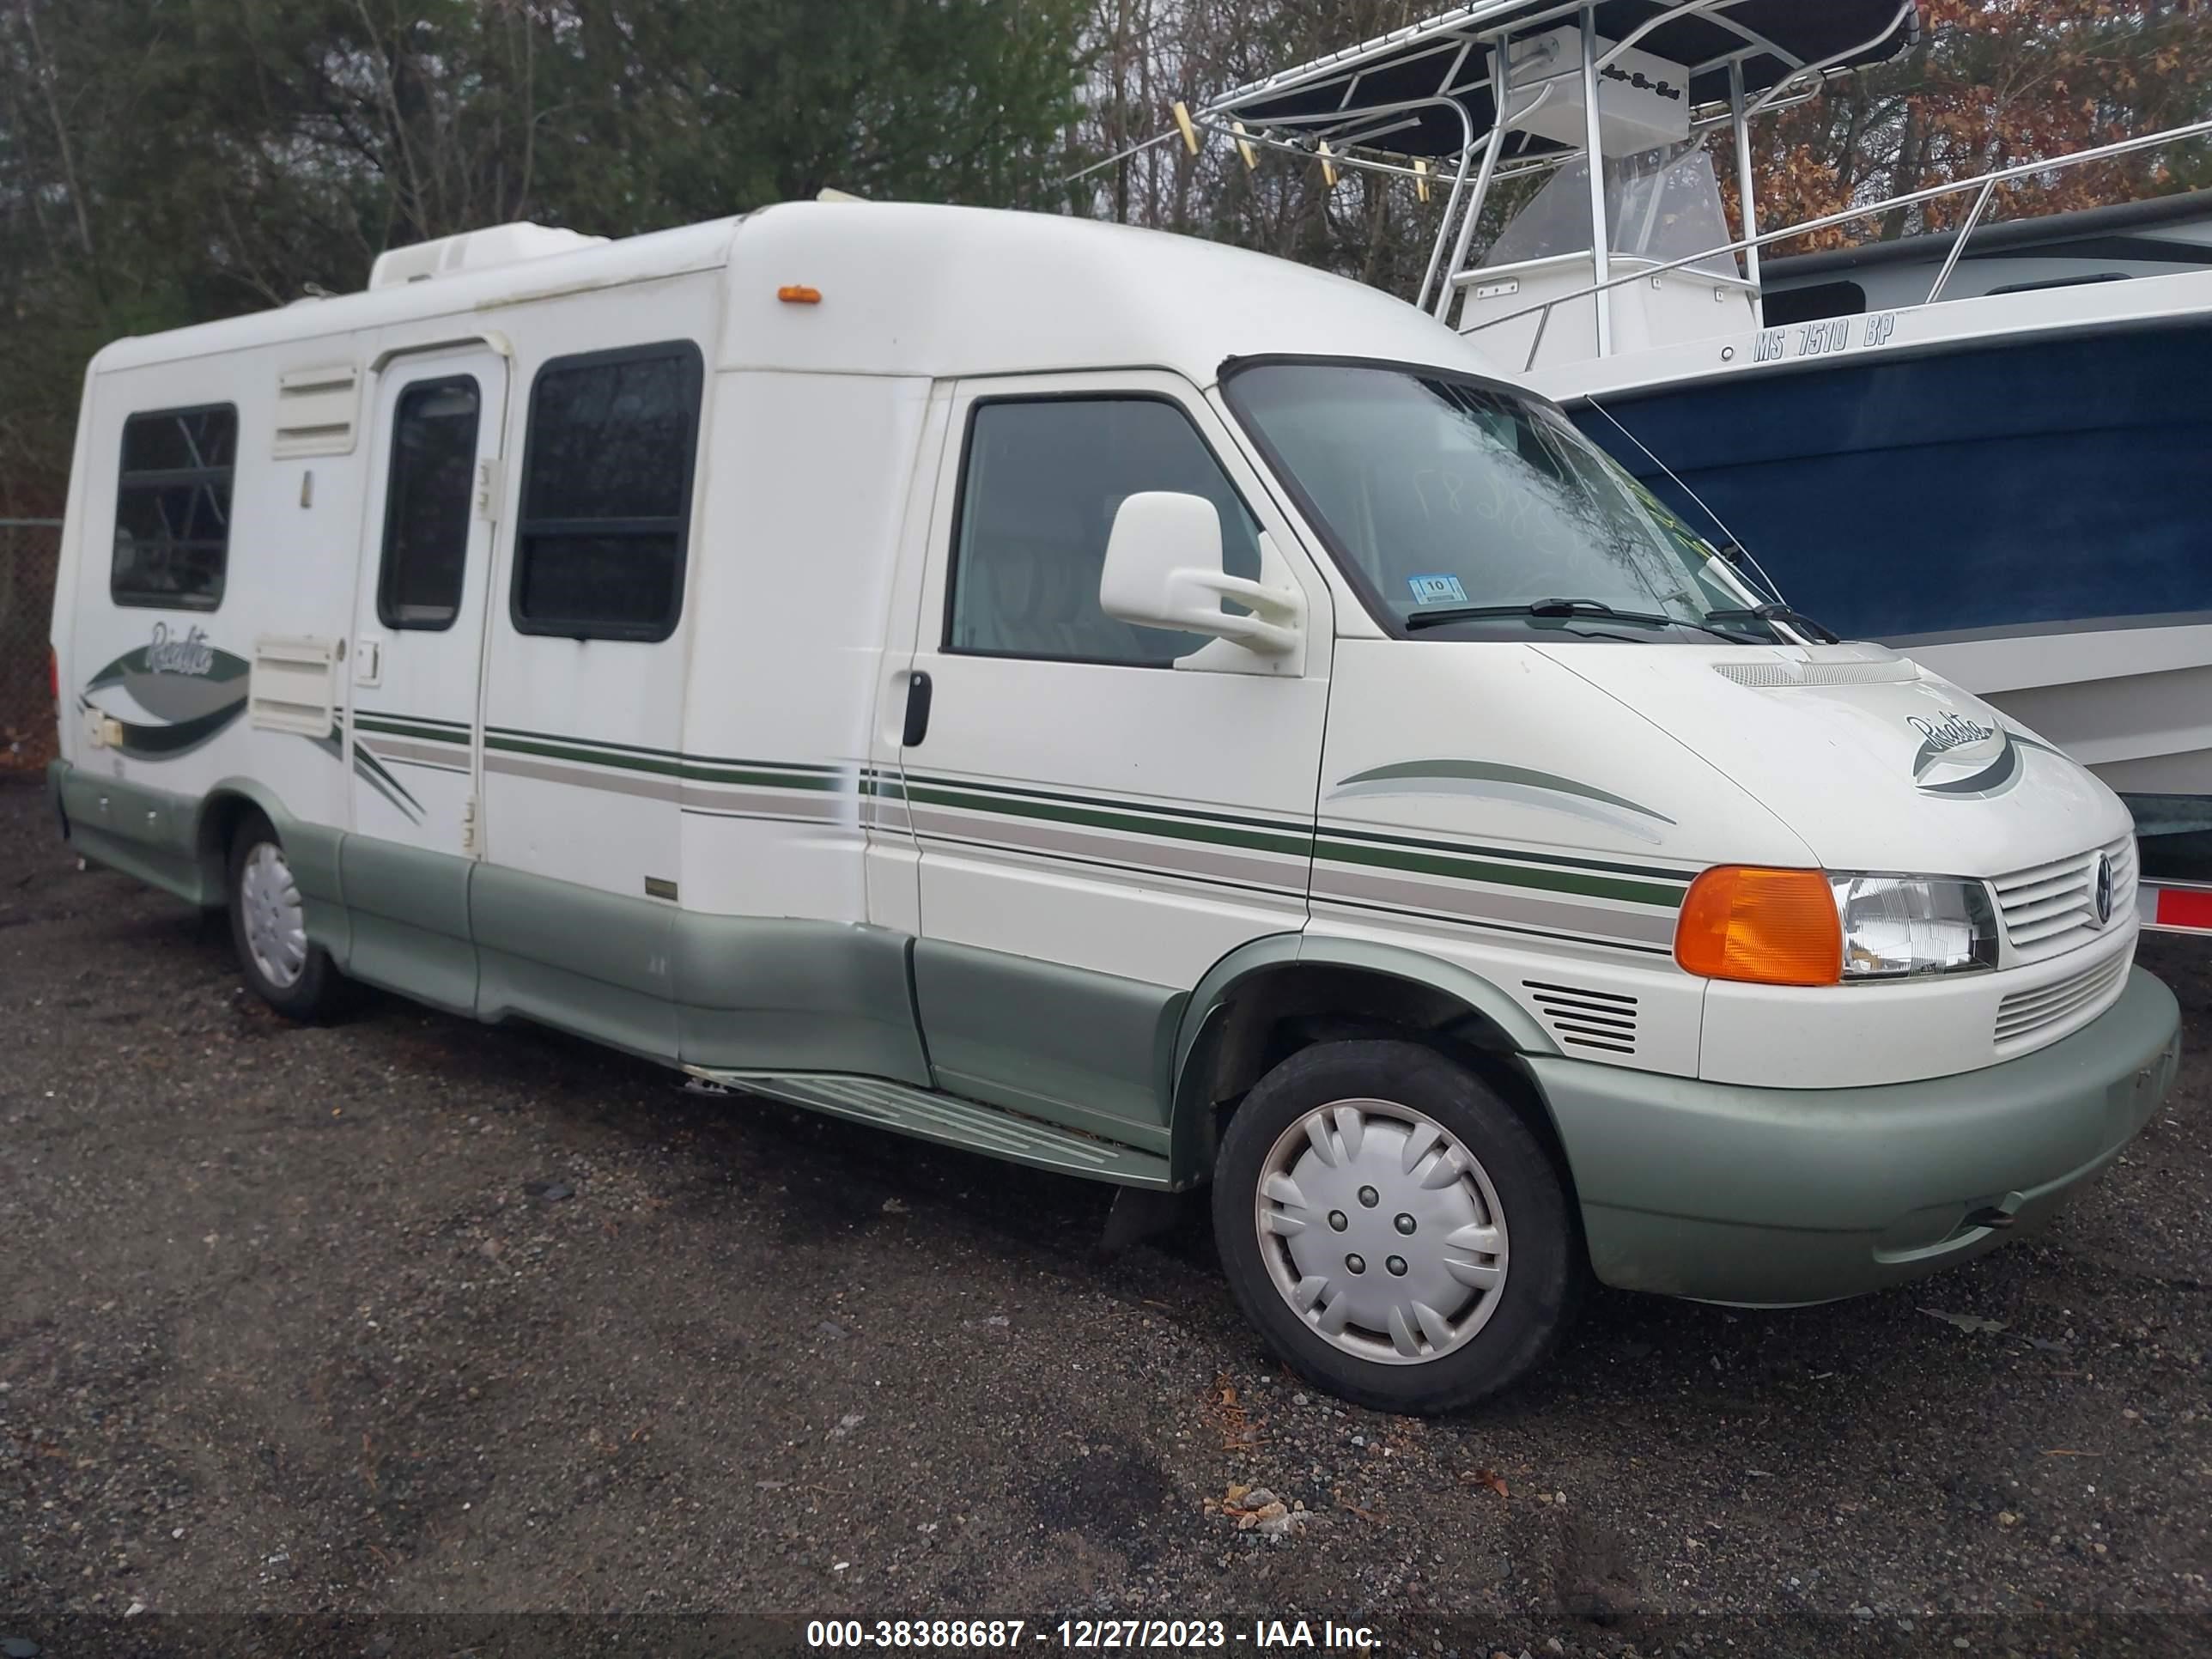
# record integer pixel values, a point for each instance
(1430, 90)
(1612, 93)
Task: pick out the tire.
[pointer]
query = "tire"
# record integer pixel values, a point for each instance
(1314, 1161)
(267, 928)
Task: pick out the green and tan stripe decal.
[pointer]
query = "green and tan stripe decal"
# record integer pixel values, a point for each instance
(372, 771)
(1629, 905)
(1288, 838)
(1627, 883)
(413, 728)
(404, 740)
(670, 762)
(1601, 901)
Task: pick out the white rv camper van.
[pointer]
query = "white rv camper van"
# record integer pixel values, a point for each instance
(1113, 703)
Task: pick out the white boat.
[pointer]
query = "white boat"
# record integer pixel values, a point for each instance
(1985, 448)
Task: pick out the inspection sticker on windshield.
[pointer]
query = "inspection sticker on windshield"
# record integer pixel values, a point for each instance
(1436, 590)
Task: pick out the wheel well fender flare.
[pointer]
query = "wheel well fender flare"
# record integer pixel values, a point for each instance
(311, 849)
(215, 820)
(1509, 1025)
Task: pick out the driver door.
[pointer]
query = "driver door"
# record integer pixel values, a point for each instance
(1099, 819)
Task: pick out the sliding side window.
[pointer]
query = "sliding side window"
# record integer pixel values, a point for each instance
(172, 507)
(606, 494)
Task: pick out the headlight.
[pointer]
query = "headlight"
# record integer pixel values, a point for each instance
(1899, 926)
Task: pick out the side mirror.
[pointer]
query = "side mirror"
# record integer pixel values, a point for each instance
(1163, 570)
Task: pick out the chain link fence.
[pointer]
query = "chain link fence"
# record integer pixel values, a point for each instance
(30, 549)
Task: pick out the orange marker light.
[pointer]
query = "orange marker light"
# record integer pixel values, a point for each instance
(1766, 927)
(796, 294)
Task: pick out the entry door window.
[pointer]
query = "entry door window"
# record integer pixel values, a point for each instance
(428, 503)
(1043, 479)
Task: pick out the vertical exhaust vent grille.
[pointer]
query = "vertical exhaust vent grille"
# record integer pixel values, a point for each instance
(1605, 1020)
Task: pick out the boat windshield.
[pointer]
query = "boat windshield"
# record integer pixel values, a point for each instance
(1442, 495)
(1660, 204)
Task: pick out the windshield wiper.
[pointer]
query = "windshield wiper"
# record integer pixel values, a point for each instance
(1534, 608)
(1421, 619)
(1781, 613)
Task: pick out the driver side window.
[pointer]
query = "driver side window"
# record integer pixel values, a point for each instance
(1041, 483)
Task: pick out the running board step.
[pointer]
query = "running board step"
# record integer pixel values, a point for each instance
(952, 1121)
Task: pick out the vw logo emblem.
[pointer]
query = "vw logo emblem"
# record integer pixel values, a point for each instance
(2104, 889)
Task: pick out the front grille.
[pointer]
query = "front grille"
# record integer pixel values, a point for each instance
(2051, 908)
(1587, 1019)
(2050, 1011)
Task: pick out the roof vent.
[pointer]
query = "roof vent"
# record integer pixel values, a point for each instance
(474, 249)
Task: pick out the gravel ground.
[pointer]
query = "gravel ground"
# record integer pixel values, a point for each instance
(402, 1316)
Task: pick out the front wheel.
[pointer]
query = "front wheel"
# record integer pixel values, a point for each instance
(269, 926)
(1393, 1228)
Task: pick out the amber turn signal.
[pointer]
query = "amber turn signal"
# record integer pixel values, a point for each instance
(1766, 927)
(798, 295)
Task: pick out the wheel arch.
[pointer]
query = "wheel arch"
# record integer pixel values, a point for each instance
(1273, 995)
(220, 811)
(311, 849)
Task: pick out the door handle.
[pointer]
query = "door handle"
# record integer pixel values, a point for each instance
(917, 711)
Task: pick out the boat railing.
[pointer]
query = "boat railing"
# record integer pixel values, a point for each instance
(1985, 184)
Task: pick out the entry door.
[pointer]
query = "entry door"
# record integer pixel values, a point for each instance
(418, 644)
(1099, 817)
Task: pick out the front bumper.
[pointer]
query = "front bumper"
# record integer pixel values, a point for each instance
(1781, 1196)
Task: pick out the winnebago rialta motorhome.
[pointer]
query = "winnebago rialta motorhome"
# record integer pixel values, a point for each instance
(1113, 703)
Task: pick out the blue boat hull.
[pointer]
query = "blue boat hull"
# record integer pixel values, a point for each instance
(2030, 487)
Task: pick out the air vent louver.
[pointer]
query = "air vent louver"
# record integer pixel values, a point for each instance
(1583, 1019)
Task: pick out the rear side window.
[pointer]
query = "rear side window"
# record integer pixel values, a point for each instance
(606, 494)
(172, 507)
(1043, 479)
(426, 504)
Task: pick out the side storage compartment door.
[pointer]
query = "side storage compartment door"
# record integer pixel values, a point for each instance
(416, 670)
(1102, 812)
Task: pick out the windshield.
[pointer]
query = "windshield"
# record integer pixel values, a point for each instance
(1442, 495)
(1660, 204)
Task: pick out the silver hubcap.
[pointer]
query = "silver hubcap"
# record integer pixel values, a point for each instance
(276, 925)
(1381, 1231)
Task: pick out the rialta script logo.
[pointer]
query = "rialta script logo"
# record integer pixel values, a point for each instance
(168, 654)
(1951, 732)
(1935, 773)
